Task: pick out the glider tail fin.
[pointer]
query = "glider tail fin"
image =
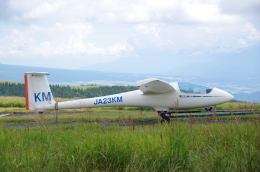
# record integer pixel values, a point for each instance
(37, 92)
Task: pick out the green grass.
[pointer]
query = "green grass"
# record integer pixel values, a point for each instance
(12, 101)
(82, 115)
(10, 81)
(101, 115)
(13, 105)
(91, 147)
(239, 106)
(83, 87)
(82, 146)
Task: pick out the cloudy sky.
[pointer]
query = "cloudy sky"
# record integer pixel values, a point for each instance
(76, 33)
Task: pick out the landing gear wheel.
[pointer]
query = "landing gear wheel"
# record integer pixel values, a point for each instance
(165, 118)
(208, 108)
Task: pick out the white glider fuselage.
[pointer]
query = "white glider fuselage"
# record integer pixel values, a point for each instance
(153, 93)
(159, 102)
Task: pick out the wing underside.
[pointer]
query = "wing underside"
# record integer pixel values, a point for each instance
(154, 86)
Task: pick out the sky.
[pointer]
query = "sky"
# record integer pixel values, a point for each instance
(72, 34)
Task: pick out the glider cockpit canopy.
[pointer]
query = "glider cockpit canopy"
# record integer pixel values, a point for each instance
(186, 87)
(156, 86)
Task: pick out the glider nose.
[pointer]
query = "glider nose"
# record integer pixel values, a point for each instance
(225, 96)
(229, 96)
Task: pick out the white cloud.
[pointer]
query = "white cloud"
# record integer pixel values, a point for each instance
(41, 11)
(149, 30)
(119, 48)
(61, 39)
(241, 42)
(206, 13)
(120, 11)
(106, 30)
(253, 33)
(241, 8)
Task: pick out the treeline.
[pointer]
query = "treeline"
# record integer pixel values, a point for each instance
(17, 89)
(11, 89)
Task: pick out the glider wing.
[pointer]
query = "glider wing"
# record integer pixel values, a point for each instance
(154, 86)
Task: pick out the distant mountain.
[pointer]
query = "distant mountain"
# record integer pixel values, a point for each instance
(144, 63)
(248, 97)
(76, 77)
(15, 73)
(85, 77)
(241, 64)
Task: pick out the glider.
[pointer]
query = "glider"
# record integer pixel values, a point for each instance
(156, 94)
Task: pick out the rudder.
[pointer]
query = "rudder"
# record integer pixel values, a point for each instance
(38, 94)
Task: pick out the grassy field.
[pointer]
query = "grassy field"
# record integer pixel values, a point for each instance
(83, 87)
(170, 147)
(229, 145)
(9, 81)
(16, 105)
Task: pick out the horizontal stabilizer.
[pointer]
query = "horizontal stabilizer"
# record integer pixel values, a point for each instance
(37, 73)
(154, 86)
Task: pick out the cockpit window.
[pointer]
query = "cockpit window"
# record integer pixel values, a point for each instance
(187, 87)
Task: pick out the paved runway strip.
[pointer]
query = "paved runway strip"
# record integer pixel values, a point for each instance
(2, 115)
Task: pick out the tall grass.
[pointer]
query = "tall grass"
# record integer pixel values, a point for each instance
(91, 147)
(12, 101)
